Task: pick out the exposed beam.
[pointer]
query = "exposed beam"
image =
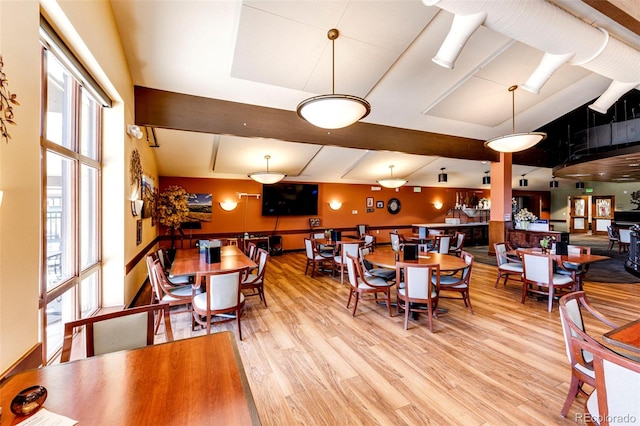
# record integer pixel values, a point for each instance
(170, 110)
(624, 12)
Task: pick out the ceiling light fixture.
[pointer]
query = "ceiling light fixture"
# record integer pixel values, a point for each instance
(580, 185)
(515, 141)
(524, 182)
(553, 183)
(486, 179)
(442, 177)
(392, 182)
(267, 177)
(333, 111)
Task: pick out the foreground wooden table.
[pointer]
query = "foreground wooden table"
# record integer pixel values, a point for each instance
(384, 257)
(191, 261)
(193, 381)
(627, 336)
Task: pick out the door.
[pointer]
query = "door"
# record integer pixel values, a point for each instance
(579, 214)
(602, 208)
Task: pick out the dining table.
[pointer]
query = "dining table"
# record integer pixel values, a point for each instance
(626, 336)
(191, 261)
(385, 257)
(194, 381)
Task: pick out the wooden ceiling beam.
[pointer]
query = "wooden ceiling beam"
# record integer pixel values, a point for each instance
(170, 110)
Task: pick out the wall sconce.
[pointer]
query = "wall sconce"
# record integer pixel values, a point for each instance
(134, 131)
(136, 207)
(437, 205)
(228, 206)
(1, 195)
(335, 205)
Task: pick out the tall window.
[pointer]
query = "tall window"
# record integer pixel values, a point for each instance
(71, 143)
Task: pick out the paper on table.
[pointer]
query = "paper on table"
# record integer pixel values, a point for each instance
(47, 418)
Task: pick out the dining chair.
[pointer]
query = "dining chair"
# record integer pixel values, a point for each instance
(163, 292)
(614, 236)
(314, 257)
(396, 243)
(340, 260)
(508, 267)
(370, 271)
(116, 331)
(178, 280)
(368, 240)
(417, 291)
(580, 269)
(572, 306)
(222, 298)
(458, 243)
(360, 284)
(614, 401)
(625, 240)
(458, 284)
(362, 230)
(255, 281)
(538, 276)
(441, 244)
(250, 250)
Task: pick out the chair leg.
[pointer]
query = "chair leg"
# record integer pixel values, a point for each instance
(407, 308)
(389, 303)
(467, 300)
(574, 388)
(350, 296)
(238, 311)
(430, 314)
(524, 292)
(498, 280)
(355, 305)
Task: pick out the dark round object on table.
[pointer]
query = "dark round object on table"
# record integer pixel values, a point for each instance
(28, 400)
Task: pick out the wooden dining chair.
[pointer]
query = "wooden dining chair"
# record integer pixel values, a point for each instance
(580, 269)
(255, 282)
(370, 271)
(340, 261)
(458, 284)
(614, 236)
(538, 276)
(163, 292)
(360, 284)
(572, 307)
(221, 301)
(614, 400)
(458, 244)
(624, 241)
(116, 331)
(441, 244)
(179, 280)
(417, 291)
(314, 258)
(508, 268)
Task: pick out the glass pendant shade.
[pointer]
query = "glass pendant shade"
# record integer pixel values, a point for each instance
(515, 142)
(267, 177)
(391, 182)
(333, 111)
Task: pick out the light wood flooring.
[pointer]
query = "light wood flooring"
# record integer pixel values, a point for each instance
(308, 361)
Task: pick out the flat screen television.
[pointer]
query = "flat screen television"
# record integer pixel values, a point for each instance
(290, 199)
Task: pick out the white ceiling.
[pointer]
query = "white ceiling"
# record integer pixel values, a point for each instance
(276, 53)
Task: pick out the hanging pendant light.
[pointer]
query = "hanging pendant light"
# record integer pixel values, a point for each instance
(392, 182)
(524, 182)
(486, 179)
(580, 185)
(553, 183)
(442, 177)
(267, 177)
(515, 141)
(333, 111)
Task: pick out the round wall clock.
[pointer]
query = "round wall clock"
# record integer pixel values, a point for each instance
(393, 206)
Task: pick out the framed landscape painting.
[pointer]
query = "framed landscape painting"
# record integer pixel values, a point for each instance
(199, 207)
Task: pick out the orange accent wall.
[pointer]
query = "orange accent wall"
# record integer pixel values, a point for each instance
(416, 207)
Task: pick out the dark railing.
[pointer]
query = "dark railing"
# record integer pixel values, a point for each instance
(632, 264)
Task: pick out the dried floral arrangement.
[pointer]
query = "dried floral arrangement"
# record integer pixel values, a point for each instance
(7, 100)
(173, 208)
(135, 169)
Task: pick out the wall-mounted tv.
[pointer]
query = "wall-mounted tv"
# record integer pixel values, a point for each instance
(290, 199)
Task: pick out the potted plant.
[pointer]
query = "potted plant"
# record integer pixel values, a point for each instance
(173, 209)
(546, 243)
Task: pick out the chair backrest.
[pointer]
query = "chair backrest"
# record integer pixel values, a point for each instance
(625, 235)
(501, 253)
(362, 230)
(612, 232)
(261, 256)
(222, 288)
(537, 267)
(571, 249)
(352, 270)
(466, 272)
(395, 241)
(349, 249)
(317, 235)
(308, 247)
(419, 279)
(116, 331)
(442, 243)
(615, 398)
(368, 239)
(251, 250)
(458, 240)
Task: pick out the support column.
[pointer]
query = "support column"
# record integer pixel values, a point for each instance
(500, 219)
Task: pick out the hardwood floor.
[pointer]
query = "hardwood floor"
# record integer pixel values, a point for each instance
(308, 361)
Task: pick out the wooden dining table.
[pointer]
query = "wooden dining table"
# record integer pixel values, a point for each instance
(191, 261)
(195, 381)
(385, 257)
(626, 336)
